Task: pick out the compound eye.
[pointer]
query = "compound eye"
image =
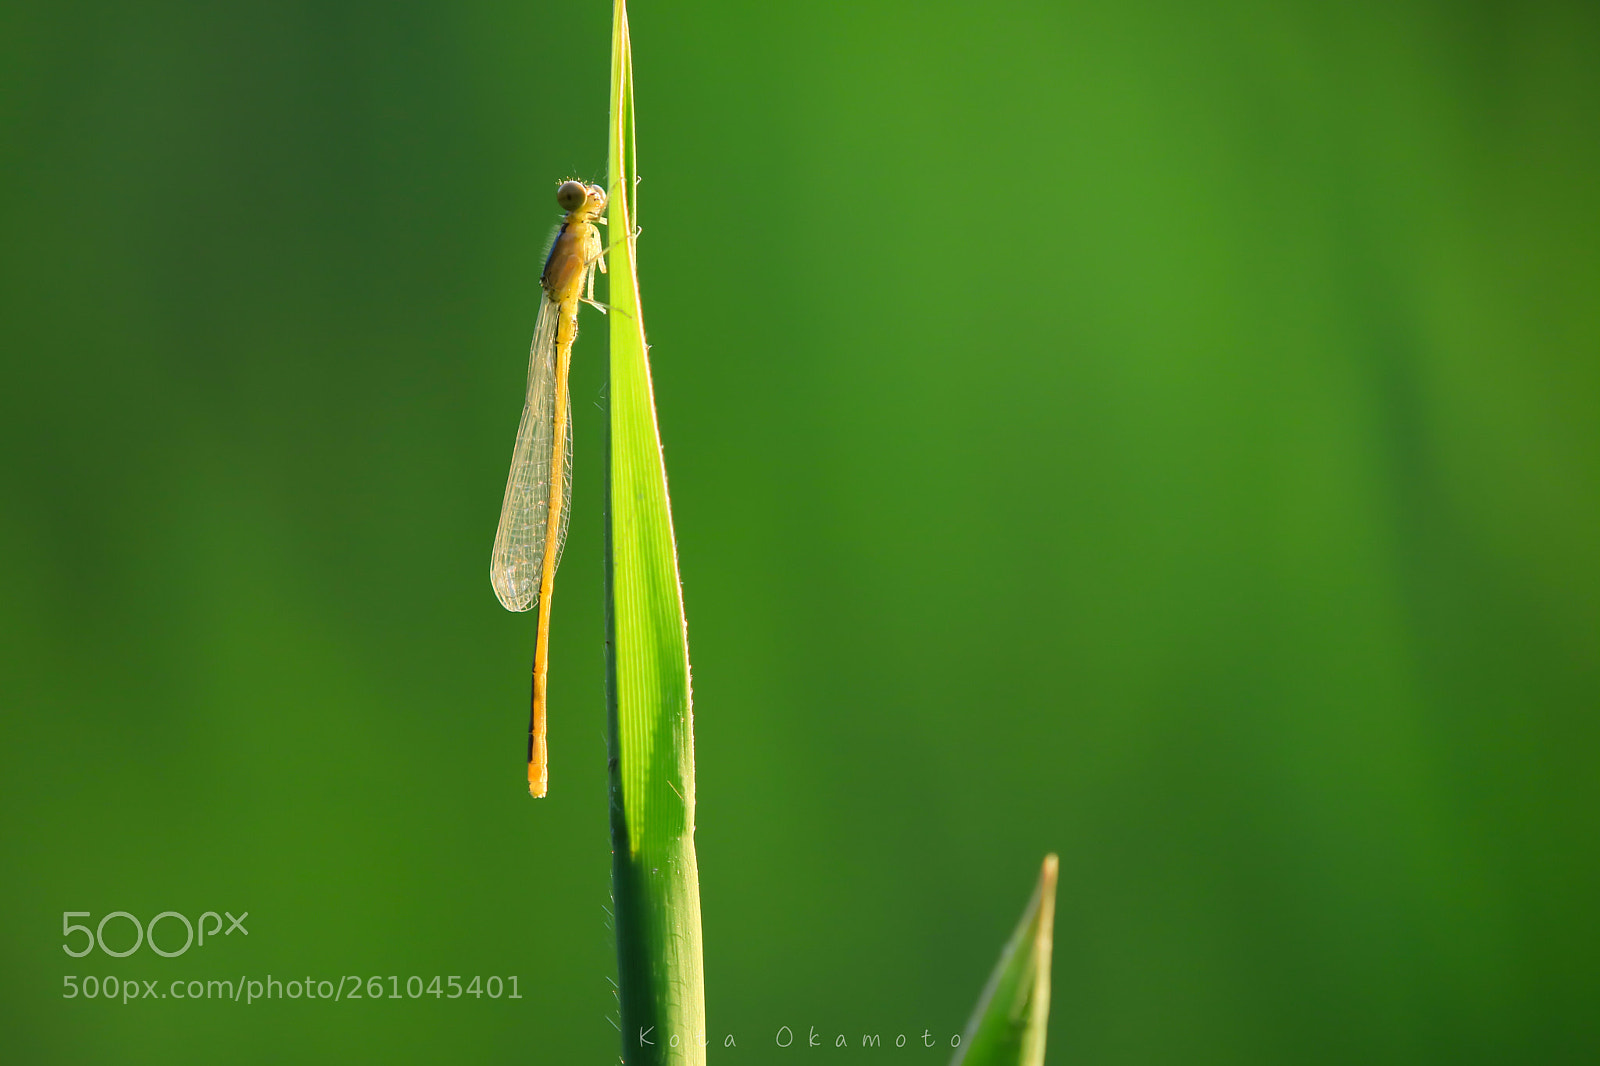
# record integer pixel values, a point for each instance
(571, 195)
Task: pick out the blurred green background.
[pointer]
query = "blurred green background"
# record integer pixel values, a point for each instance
(1161, 433)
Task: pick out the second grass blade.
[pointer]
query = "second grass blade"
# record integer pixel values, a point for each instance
(1013, 1013)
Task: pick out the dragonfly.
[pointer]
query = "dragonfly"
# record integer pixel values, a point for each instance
(537, 504)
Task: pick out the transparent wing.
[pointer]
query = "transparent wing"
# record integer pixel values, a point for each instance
(519, 543)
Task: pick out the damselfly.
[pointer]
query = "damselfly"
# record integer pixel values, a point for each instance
(533, 516)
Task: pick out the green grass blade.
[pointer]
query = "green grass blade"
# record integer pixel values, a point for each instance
(1008, 1025)
(650, 725)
